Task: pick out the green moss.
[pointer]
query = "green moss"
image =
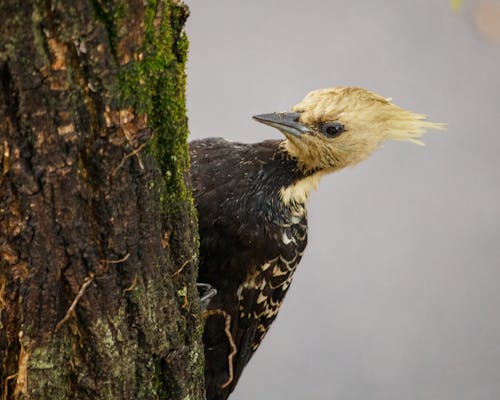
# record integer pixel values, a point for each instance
(182, 292)
(109, 13)
(156, 85)
(38, 39)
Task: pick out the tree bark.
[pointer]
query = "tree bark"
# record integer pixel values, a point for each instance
(98, 234)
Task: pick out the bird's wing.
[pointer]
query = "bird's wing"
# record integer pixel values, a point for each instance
(262, 293)
(253, 308)
(259, 302)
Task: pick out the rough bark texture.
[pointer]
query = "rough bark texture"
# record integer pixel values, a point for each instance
(95, 215)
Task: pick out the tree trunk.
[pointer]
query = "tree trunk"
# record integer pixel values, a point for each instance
(97, 230)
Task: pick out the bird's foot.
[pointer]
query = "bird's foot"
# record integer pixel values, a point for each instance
(207, 292)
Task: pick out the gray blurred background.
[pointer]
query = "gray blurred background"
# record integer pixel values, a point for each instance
(398, 295)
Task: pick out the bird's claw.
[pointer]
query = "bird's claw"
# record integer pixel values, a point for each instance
(207, 292)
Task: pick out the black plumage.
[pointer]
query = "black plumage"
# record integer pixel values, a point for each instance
(250, 244)
(252, 217)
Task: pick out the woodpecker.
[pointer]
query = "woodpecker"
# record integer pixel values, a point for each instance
(251, 203)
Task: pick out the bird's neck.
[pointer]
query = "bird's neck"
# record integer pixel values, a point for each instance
(287, 175)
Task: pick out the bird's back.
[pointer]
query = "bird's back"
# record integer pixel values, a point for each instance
(250, 245)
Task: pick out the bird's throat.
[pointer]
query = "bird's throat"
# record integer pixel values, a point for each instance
(298, 192)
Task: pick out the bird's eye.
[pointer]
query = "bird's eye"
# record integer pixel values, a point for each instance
(332, 129)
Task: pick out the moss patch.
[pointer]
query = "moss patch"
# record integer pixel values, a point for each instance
(156, 84)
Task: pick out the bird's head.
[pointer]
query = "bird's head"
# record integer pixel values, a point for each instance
(335, 128)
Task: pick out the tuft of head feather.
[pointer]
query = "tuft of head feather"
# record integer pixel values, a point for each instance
(409, 127)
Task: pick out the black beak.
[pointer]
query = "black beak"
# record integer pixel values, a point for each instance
(287, 122)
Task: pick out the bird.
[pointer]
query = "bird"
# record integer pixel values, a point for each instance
(251, 204)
